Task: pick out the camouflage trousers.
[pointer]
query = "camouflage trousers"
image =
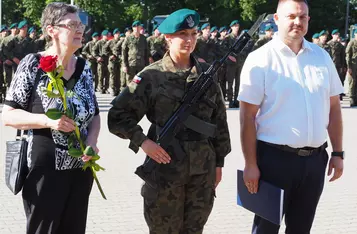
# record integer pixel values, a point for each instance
(233, 76)
(183, 203)
(2, 84)
(8, 75)
(132, 71)
(103, 76)
(352, 81)
(114, 77)
(222, 80)
(122, 79)
(94, 68)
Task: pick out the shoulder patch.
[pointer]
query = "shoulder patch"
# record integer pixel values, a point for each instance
(136, 79)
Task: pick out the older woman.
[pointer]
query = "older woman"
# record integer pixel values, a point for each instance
(56, 190)
(183, 198)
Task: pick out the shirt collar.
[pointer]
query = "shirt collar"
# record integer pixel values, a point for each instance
(282, 46)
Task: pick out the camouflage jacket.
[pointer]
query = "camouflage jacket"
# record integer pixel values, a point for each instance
(326, 47)
(262, 41)
(351, 54)
(40, 44)
(109, 49)
(228, 43)
(157, 46)
(99, 49)
(135, 51)
(17, 47)
(117, 50)
(207, 49)
(88, 50)
(156, 92)
(337, 53)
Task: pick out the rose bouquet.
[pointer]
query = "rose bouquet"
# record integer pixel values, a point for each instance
(56, 89)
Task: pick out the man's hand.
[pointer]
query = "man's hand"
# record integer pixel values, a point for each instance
(218, 176)
(335, 164)
(8, 62)
(233, 59)
(155, 152)
(99, 59)
(151, 60)
(112, 57)
(16, 60)
(125, 69)
(349, 70)
(251, 177)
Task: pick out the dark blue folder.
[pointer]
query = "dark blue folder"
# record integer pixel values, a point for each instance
(267, 202)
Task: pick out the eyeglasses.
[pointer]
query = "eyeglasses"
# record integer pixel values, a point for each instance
(79, 26)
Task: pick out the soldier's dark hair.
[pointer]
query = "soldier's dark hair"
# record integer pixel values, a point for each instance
(283, 1)
(54, 13)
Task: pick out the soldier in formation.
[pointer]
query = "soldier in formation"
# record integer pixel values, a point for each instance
(323, 41)
(183, 197)
(157, 45)
(114, 63)
(351, 60)
(315, 38)
(269, 31)
(88, 53)
(102, 60)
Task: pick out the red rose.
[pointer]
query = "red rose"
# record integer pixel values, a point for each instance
(48, 63)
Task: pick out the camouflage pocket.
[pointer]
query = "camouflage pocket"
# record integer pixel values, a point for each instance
(149, 194)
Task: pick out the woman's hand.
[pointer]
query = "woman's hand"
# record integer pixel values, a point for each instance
(63, 124)
(155, 152)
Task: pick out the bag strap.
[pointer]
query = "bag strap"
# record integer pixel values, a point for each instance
(20, 133)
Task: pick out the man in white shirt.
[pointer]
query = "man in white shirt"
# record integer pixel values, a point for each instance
(289, 99)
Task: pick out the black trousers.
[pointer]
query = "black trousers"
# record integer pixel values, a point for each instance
(56, 202)
(302, 179)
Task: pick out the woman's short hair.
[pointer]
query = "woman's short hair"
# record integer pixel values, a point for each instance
(54, 13)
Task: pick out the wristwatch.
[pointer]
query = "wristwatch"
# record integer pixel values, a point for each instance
(340, 154)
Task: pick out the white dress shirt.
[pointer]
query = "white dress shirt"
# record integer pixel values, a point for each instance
(293, 92)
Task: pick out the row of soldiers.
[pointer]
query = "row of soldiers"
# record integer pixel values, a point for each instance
(15, 43)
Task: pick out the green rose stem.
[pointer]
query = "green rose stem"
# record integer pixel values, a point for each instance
(56, 83)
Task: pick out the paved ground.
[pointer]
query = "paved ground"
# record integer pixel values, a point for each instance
(122, 212)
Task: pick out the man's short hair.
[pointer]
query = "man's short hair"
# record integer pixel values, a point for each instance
(283, 1)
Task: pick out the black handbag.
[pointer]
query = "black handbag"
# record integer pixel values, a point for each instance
(16, 169)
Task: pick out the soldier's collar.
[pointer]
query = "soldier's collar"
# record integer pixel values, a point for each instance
(168, 64)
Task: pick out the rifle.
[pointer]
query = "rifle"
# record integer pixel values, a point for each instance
(189, 104)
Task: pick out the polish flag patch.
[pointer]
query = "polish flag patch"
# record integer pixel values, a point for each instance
(137, 79)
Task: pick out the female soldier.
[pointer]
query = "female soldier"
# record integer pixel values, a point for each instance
(186, 187)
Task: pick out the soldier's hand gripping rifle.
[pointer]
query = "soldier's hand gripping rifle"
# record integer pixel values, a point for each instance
(189, 104)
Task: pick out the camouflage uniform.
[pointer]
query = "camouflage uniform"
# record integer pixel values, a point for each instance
(185, 194)
(157, 47)
(351, 59)
(222, 72)
(326, 47)
(40, 44)
(16, 47)
(135, 55)
(88, 53)
(262, 41)
(7, 68)
(206, 49)
(103, 73)
(113, 66)
(233, 73)
(2, 80)
(339, 57)
(118, 53)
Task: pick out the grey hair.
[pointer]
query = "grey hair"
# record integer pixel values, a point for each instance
(54, 13)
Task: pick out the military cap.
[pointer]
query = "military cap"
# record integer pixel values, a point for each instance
(343, 39)
(31, 30)
(142, 25)
(116, 30)
(95, 34)
(105, 32)
(122, 35)
(268, 27)
(22, 24)
(234, 22)
(3, 28)
(14, 25)
(205, 26)
(127, 29)
(323, 32)
(224, 28)
(316, 35)
(179, 20)
(214, 28)
(335, 31)
(136, 23)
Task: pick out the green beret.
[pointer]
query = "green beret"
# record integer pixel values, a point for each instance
(127, 29)
(116, 31)
(224, 28)
(142, 25)
(22, 24)
(268, 27)
(323, 32)
(234, 22)
(14, 25)
(31, 30)
(205, 26)
(335, 31)
(136, 23)
(179, 20)
(343, 39)
(105, 32)
(95, 34)
(3, 28)
(316, 35)
(122, 35)
(214, 28)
